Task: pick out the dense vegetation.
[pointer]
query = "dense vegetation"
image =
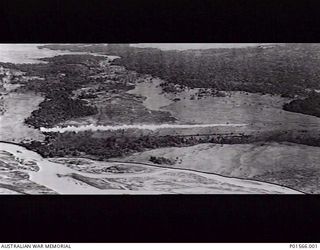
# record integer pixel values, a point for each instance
(161, 160)
(71, 144)
(308, 106)
(59, 109)
(291, 70)
(286, 69)
(71, 65)
(62, 75)
(84, 143)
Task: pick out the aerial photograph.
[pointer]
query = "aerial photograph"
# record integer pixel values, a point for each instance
(160, 118)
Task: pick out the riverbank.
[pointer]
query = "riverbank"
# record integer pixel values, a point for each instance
(65, 179)
(288, 164)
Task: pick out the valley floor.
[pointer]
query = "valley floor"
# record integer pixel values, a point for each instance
(131, 105)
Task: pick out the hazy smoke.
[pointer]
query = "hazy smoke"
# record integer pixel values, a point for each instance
(135, 126)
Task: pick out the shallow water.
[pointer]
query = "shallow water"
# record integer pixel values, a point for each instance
(26, 53)
(30, 53)
(49, 175)
(186, 46)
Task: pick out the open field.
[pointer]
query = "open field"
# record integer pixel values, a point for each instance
(292, 165)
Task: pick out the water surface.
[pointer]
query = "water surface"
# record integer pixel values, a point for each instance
(186, 46)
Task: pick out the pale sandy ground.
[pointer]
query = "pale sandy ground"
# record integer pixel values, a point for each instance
(256, 110)
(241, 159)
(154, 99)
(17, 107)
(77, 176)
(282, 163)
(259, 111)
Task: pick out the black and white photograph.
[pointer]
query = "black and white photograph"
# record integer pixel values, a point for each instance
(159, 118)
(139, 121)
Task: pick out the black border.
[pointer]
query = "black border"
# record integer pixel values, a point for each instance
(164, 218)
(190, 218)
(131, 21)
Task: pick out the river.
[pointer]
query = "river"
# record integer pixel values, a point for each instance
(186, 46)
(30, 53)
(51, 175)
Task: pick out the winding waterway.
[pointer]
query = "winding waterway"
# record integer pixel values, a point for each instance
(51, 174)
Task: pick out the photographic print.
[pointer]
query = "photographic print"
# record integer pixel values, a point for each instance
(161, 118)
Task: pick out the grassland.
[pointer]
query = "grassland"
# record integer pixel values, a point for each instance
(288, 164)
